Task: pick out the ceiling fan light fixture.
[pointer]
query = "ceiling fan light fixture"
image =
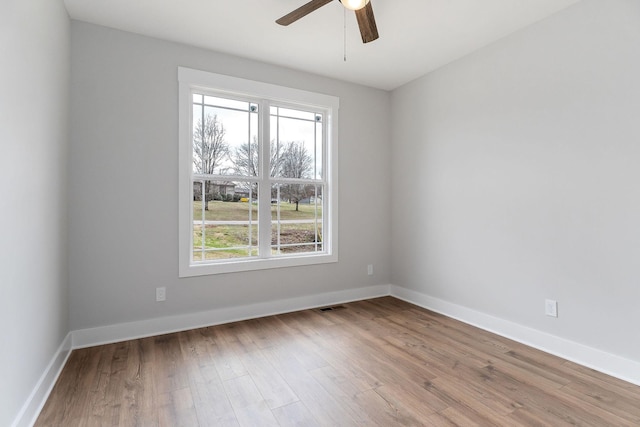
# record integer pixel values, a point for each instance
(354, 4)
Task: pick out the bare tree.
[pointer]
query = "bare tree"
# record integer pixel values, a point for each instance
(246, 158)
(245, 162)
(209, 150)
(290, 160)
(296, 163)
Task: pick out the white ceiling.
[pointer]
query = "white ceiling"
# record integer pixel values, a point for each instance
(416, 36)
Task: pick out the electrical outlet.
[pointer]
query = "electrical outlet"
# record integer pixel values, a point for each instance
(161, 294)
(370, 269)
(551, 308)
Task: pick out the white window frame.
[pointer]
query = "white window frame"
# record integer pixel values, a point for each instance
(190, 80)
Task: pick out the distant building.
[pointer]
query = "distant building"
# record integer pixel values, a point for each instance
(215, 190)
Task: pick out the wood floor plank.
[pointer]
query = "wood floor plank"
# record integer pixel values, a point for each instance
(377, 362)
(238, 337)
(366, 406)
(99, 398)
(76, 387)
(324, 408)
(212, 404)
(605, 381)
(551, 404)
(295, 415)
(136, 398)
(344, 364)
(410, 400)
(472, 396)
(450, 417)
(306, 351)
(341, 389)
(628, 409)
(224, 358)
(268, 381)
(248, 404)
(386, 361)
(183, 406)
(170, 372)
(381, 412)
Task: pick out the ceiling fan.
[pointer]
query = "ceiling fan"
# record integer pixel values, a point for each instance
(363, 9)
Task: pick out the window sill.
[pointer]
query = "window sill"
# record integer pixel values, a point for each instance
(205, 269)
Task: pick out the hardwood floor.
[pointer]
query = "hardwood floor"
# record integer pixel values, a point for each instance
(377, 362)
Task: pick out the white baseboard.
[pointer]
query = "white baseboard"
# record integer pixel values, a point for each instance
(145, 328)
(36, 400)
(610, 364)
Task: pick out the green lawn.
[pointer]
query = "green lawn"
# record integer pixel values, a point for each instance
(223, 236)
(239, 211)
(234, 236)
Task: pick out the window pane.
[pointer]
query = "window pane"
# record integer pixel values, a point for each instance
(296, 219)
(243, 156)
(224, 220)
(298, 146)
(225, 139)
(197, 201)
(197, 158)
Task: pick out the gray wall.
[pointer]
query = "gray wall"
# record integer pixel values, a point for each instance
(124, 175)
(515, 175)
(34, 87)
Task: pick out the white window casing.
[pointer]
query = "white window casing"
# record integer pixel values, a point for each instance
(264, 95)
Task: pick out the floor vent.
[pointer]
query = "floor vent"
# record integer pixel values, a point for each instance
(335, 307)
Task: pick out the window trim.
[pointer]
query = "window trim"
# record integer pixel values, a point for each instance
(189, 79)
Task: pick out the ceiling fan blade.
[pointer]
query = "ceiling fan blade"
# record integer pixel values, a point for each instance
(302, 11)
(367, 23)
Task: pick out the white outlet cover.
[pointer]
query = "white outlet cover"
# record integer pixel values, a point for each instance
(161, 294)
(551, 308)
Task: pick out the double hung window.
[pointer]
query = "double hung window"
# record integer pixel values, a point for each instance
(257, 176)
